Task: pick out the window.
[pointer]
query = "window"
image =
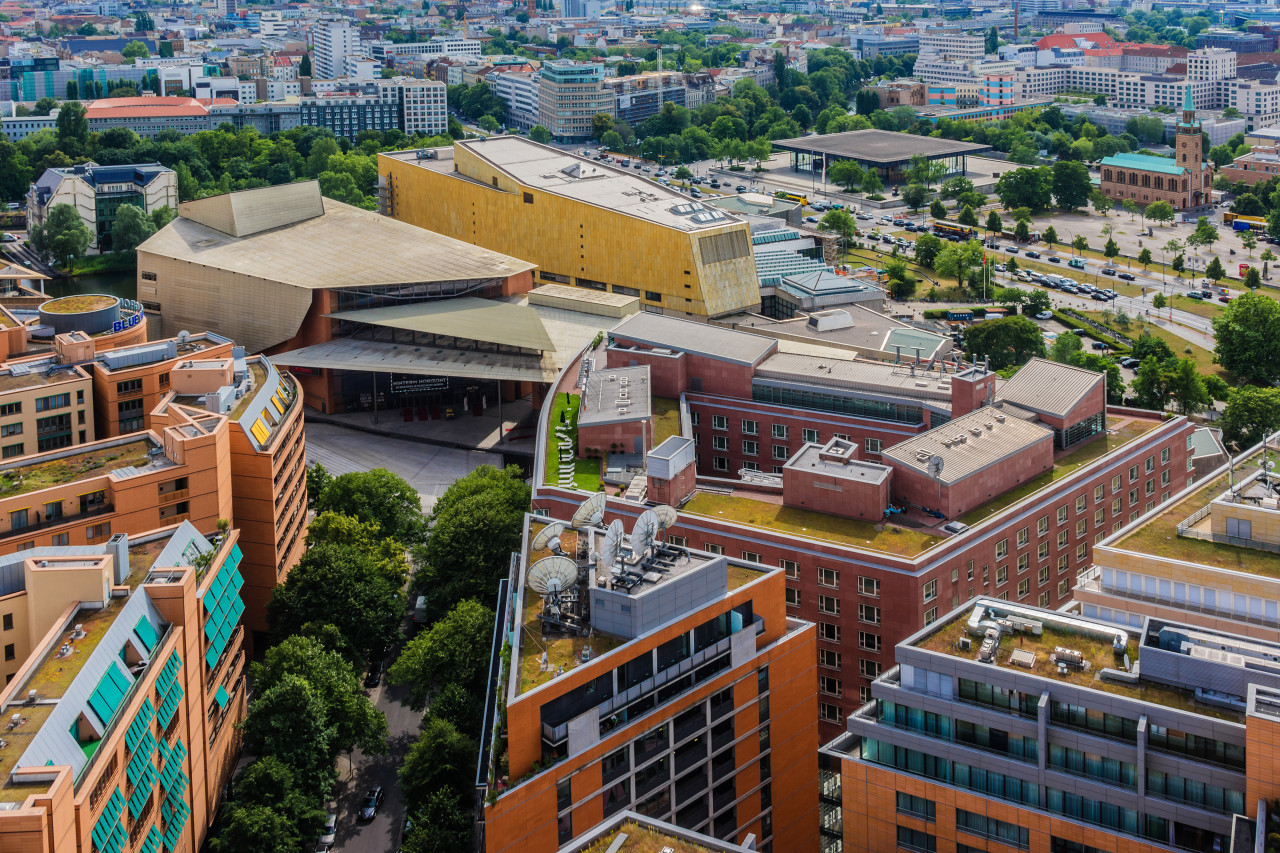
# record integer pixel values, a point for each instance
(931, 590)
(1150, 488)
(830, 713)
(11, 450)
(828, 578)
(792, 568)
(719, 422)
(1164, 477)
(61, 540)
(1097, 494)
(1164, 456)
(780, 431)
(1115, 507)
(869, 668)
(719, 442)
(828, 658)
(1002, 575)
(1062, 515)
(10, 430)
(129, 386)
(1062, 539)
(1081, 527)
(997, 830)
(1002, 549)
(1099, 518)
(1133, 473)
(931, 615)
(653, 296)
(1042, 576)
(829, 604)
(1042, 551)
(869, 641)
(917, 807)
(793, 597)
(829, 686)
(1024, 536)
(781, 452)
(1024, 587)
(54, 401)
(828, 632)
(1080, 503)
(917, 841)
(696, 417)
(1024, 562)
(872, 445)
(869, 587)
(1064, 586)
(1115, 484)
(809, 435)
(1150, 464)
(7, 409)
(869, 614)
(719, 463)
(1081, 550)
(750, 448)
(1042, 525)
(713, 548)
(18, 519)
(750, 427)
(9, 651)
(8, 622)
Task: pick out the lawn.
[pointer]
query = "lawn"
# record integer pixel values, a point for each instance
(806, 522)
(666, 419)
(1202, 357)
(563, 652)
(566, 407)
(57, 472)
(741, 576)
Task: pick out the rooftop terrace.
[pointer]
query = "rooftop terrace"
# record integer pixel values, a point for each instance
(1096, 650)
(19, 478)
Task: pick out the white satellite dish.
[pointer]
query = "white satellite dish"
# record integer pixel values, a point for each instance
(591, 513)
(667, 516)
(612, 544)
(935, 466)
(552, 575)
(546, 534)
(642, 533)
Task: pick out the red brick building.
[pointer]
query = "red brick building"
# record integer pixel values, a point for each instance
(1184, 182)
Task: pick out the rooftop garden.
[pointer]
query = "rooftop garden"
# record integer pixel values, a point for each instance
(642, 839)
(79, 304)
(18, 739)
(55, 673)
(1120, 431)
(666, 419)
(259, 374)
(740, 509)
(741, 576)
(586, 472)
(22, 479)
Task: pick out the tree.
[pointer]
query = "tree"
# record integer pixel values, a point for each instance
(841, 223)
(1252, 278)
(135, 50)
(287, 721)
(1148, 344)
(63, 235)
(1007, 342)
(927, 248)
(1215, 270)
(992, 40)
(871, 182)
(1021, 230)
(937, 209)
(488, 123)
(1205, 234)
(1247, 343)
(1026, 187)
(922, 170)
(1144, 257)
(268, 783)
(441, 757)
(1071, 184)
(1184, 384)
(612, 141)
(1111, 249)
(344, 587)
(995, 224)
(304, 67)
(1251, 414)
(1050, 236)
(601, 123)
(442, 824)
(72, 124)
(1100, 201)
(1158, 301)
(1039, 301)
(377, 496)
(954, 187)
(914, 195)
(845, 174)
(1249, 241)
(957, 259)
(1080, 244)
(902, 284)
(446, 653)
(1148, 384)
(1161, 212)
(132, 227)
(251, 828)
(538, 133)
(475, 525)
(15, 170)
(143, 21)
(968, 217)
(1065, 347)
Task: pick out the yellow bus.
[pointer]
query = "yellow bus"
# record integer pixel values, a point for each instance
(946, 229)
(1244, 223)
(792, 197)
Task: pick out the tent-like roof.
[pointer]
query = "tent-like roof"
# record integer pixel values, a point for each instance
(12, 270)
(465, 317)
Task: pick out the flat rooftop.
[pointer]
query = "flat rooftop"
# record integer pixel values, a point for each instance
(969, 444)
(705, 339)
(582, 180)
(1025, 652)
(616, 394)
(57, 468)
(898, 381)
(878, 146)
(832, 460)
(20, 375)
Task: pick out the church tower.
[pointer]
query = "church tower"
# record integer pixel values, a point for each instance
(1190, 154)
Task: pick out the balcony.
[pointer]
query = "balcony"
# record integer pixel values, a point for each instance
(60, 521)
(176, 495)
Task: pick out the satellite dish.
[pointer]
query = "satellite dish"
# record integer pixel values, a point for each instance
(552, 575)
(935, 466)
(667, 516)
(642, 533)
(591, 513)
(546, 534)
(612, 544)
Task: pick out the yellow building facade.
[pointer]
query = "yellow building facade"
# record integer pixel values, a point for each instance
(582, 223)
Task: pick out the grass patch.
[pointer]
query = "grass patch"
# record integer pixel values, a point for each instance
(566, 407)
(666, 419)
(806, 522)
(259, 378)
(561, 651)
(56, 472)
(1179, 345)
(78, 304)
(741, 576)
(108, 262)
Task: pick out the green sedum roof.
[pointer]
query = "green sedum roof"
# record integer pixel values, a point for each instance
(1144, 162)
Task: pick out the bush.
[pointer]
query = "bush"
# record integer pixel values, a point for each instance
(875, 197)
(1070, 322)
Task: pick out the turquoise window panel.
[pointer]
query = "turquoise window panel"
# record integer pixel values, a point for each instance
(142, 790)
(146, 633)
(106, 697)
(108, 833)
(173, 765)
(151, 844)
(169, 689)
(140, 725)
(176, 812)
(141, 758)
(223, 607)
(221, 696)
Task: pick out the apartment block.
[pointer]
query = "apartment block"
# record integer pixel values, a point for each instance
(1038, 730)
(126, 687)
(569, 95)
(955, 46)
(889, 491)
(645, 676)
(97, 192)
(333, 41)
(520, 90)
(641, 96)
(402, 103)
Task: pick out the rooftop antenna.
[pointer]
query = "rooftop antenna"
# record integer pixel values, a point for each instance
(642, 533)
(667, 517)
(897, 354)
(935, 466)
(551, 578)
(548, 535)
(917, 349)
(612, 543)
(590, 513)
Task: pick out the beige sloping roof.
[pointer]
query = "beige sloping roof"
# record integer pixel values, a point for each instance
(997, 439)
(12, 270)
(344, 247)
(465, 317)
(1049, 388)
(252, 211)
(382, 357)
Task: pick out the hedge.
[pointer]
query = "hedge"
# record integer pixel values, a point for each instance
(1070, 322)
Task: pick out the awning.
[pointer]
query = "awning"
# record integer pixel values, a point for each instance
(466, 317)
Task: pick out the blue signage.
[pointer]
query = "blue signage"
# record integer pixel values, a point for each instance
(127, 323)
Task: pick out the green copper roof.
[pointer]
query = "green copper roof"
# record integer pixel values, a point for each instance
(1187, 105)
(1144, 162)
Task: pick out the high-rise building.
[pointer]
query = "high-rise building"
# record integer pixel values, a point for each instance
(1211, 64)
(646, 676)
(124, 690)
(333, 41)
(569, 95)
(1011, 725)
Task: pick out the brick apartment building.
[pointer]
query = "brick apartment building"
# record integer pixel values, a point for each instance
(780, 458)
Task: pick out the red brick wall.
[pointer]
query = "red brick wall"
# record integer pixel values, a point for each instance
(911, 485)
(668, 374)
(672, 492)
(604, 437)
(825, 493)
(693, 373)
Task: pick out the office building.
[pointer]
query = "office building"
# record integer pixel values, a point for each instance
(888, 153)
(580, 222)
(1211, 64)
(641, 96)
(569, 95)
(124, 688)
(271, 24)
(401, 103)
(1011, 725)
(385, 52)
(661, 679)
(97, 192)
(890, 491)
(1184, 181)
(953, 46)
(520, 90)
(632, 832)
(333, 42)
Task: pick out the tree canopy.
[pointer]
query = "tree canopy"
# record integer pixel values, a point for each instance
(1247, 343)
(1007, 342)
(376, 496)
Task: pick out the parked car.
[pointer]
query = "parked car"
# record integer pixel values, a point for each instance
(374, 678)
(695, 192)
(1001, 268)
(1207, 294)
(1070, 288)
(329, 832)
(886, 219)
(1023, 275)
(1013, 250)
(715, 185)
(1099, 296)
(1195, 294)
(1224, 299)
(1098, 345)
(1127, 276)
(1031, 253)
(886, 239)
(813, 220)
(900, 222)
(9, 238)
(865, 217)
(1129, 361)
(1045, 315)
(371, 803)
(740, 188)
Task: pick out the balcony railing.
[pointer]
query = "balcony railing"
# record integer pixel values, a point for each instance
(176, 495)
(58, 522)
